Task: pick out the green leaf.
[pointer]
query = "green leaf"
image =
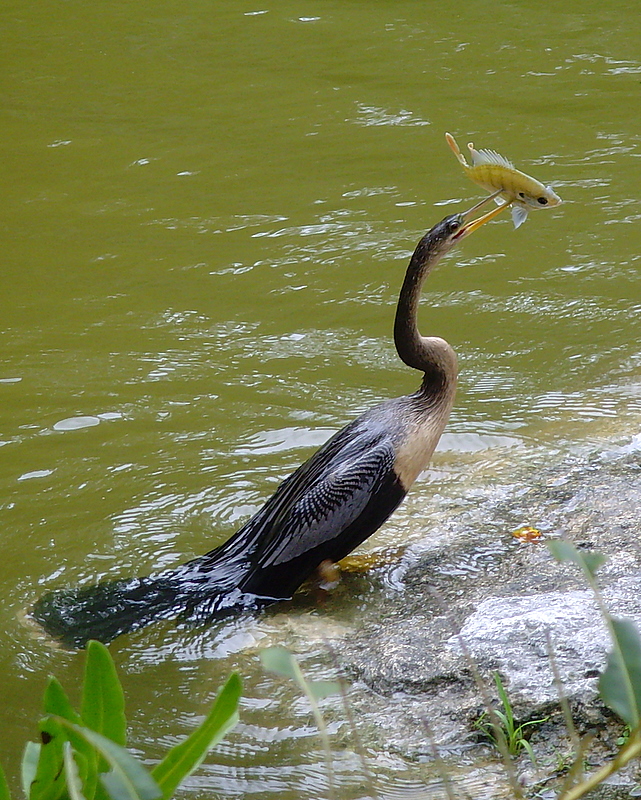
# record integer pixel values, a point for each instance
(72, 773)
(282, 662)
(103, 701)
(29, 765)
(49, 782)
(279, 660)
(57, 703)
(4, 786)
(183, 759)
(588, 560)
(321, 689)
(127, 778)
(620, 683)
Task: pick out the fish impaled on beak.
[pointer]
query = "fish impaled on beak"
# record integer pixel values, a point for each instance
(474, 224)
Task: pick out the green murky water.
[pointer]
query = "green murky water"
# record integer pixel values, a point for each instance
(207, 211)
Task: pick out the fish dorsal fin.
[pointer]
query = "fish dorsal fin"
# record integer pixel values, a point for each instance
(488, 157)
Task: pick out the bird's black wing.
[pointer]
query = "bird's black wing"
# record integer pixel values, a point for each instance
(323, 511)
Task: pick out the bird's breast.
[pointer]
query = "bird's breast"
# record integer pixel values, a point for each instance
(417, 446)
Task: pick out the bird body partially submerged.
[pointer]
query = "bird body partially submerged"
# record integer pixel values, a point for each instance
(494, 173)
(319, 514)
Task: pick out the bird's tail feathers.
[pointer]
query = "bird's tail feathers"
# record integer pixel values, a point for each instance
(107, 610)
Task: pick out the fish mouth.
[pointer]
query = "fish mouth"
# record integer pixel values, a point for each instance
(469, 227)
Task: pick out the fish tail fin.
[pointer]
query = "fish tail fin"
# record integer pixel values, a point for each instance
(455, 149)
(109, 609)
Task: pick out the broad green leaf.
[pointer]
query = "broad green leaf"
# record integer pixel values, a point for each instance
(127, 778)
(72, 773)
(49, 781)
(281, 661)
(29, 765)
(183, 759)
(103, 702)
(321, 689)
(620, 683)
(588, 560)
(4, 787)
(57, 703)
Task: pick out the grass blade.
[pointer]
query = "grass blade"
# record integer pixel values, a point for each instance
(183, 759)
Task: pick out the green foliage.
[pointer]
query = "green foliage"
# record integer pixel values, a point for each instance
(29, 766)
(588, 560)
(625, 737)
(4, 789)
(82, 756)
(127, 779)
(620, 684)
(185, 757)
(282, 662)
(103, 701)
(501, 723)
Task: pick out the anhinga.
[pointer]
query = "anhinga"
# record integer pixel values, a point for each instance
(320, 513)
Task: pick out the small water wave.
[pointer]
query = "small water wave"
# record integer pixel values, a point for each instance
(369, 115)
(265, 442)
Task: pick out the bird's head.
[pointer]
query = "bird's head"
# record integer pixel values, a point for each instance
(451, 230)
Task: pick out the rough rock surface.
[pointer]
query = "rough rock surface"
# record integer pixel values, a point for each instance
(475, 583)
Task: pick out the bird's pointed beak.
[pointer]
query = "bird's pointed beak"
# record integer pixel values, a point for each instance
(470, 227)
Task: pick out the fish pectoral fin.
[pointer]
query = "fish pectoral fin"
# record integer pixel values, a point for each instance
(519, 215)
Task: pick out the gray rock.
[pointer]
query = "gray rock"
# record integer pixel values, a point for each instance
(471, 581)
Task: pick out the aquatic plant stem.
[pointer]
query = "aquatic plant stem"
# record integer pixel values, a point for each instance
(320, 724)
(358, 744)
(622, 758)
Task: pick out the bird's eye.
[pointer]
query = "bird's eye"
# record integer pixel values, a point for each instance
(542, 201)
(522, 195)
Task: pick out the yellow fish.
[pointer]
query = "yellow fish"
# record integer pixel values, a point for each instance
(497, 175)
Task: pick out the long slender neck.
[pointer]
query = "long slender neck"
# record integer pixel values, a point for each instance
(432, 355)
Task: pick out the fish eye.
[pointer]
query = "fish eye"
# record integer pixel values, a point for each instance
(542, 201)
